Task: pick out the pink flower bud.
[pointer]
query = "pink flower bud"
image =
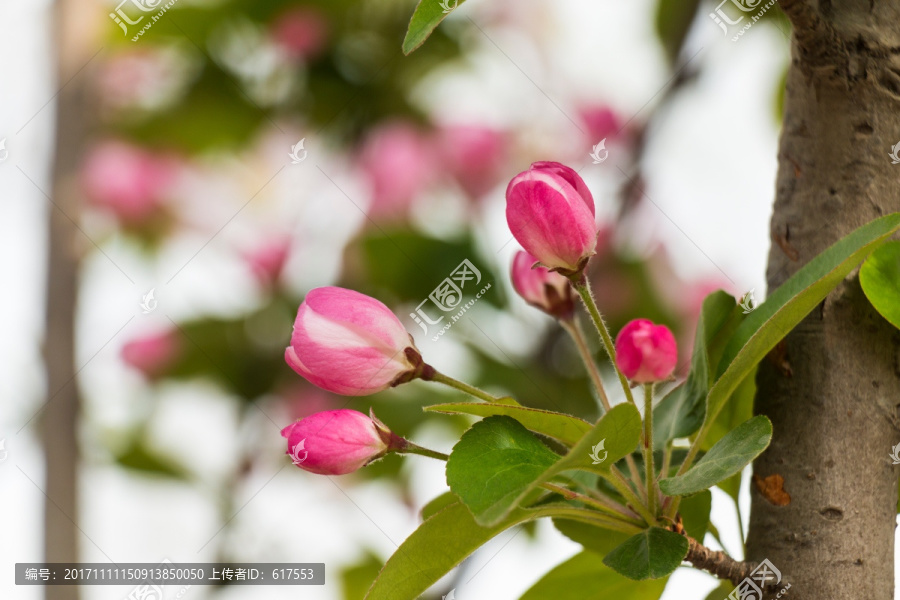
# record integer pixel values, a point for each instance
(542, 288)
(336, 442)
(550, 212)
(348, 343)
(152, 354)
(646, 352)
(601, 121)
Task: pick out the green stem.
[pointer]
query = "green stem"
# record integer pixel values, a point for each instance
(584, 290)
(619, 482)
(574, 330)
(648, 448)
(605, 505)
(459, 385)
(667, 461)
(688, 461)
(411, 448)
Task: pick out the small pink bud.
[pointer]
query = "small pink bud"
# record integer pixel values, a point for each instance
(646, 352)
(600, 120)
(542, 288)
(152, 354)
(351, 344)
(336, 442)
(550, 212)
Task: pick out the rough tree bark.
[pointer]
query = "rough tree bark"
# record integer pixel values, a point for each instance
(833, 388)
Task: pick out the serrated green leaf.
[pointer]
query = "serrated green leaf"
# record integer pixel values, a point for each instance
(880, 280)
(730, 454)
(681, 412)
(565, 428)
(585, 577)
(651, 554)
(445, 540)
(494, 464)
(789, 304)
(427, 16)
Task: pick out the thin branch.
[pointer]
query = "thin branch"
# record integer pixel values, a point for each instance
(717, 563)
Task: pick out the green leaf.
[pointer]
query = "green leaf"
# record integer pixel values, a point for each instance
(681, 412)
(426, 18)
(585, 577)
(730, 454)
(494, 464)
(880, 280)
(565, 428)
(442, 542)
(651, 554)
(721, 592)
(593, 537)
(619, 431)
(356, 578)
(789, 304)
(694, 513)
(673, 21)
(438, 503)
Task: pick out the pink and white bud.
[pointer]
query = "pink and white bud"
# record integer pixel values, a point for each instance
(645, 352)
(351, 344)
(152, 354)
(542, 288)
(550, 211)
(336, 442)
(128, 181)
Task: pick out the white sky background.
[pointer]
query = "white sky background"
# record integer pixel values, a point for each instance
(711, 169)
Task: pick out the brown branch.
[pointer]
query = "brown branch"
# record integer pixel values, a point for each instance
(717, 563)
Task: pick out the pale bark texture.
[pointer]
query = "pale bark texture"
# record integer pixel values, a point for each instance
(833, 388)
(62, 537)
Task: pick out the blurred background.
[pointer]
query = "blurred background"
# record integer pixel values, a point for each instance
(171, 195)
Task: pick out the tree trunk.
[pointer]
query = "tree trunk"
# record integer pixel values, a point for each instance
(833, 387)
(59, 421)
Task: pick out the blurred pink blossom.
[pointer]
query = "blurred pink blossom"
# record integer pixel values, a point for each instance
(152, 354)
(267, 259)
(128, 181)
(301, 32)
(399, 162)
(473, 154)
(600, 120)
